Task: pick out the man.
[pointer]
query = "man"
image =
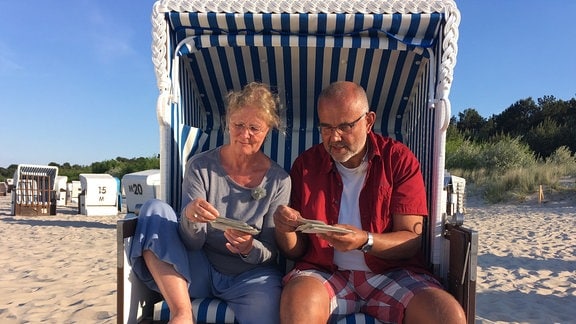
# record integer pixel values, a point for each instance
(372, 186)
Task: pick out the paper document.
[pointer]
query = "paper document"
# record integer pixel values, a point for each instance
(223, 223)
(316, 226)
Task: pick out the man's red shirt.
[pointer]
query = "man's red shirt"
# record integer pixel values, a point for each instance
(394, 185)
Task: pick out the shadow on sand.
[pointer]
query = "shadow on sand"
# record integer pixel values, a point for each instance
(46, 221)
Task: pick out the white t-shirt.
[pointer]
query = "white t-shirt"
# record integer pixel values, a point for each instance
(352, 180)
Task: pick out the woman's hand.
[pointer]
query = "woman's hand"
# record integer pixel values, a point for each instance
(238, 242)
(200, 211)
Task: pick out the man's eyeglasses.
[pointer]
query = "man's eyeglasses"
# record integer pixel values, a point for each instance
(344, 128)
(252, 129)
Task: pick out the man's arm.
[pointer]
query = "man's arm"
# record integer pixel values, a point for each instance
(403, 242)
(293, 244)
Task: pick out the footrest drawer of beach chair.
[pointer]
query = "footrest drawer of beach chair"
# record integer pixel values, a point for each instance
(211, 310)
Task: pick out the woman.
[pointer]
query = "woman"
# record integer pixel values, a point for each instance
(192, 257)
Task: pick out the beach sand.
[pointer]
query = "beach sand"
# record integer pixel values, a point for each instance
(57, 269)
(62, 268)
(526, 260)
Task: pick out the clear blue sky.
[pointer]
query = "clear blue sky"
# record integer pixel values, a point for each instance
(77, 82)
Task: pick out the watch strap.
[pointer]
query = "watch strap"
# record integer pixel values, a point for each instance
(369, 243)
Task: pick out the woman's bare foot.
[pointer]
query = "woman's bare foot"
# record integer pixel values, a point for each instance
(181, 318)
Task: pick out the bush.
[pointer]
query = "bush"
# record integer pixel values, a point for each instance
(506, 153)
(505, 169)
(497, 155)
(562, 161)
(463, 154)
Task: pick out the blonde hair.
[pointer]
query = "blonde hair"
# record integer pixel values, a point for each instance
(258, 95)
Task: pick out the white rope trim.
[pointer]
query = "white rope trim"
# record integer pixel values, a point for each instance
(305, 6)
(449, 51)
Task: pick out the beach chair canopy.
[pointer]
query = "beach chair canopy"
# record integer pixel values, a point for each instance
(402, 53)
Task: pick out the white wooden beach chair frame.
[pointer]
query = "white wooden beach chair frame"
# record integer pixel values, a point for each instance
(402, 52)
(33, 193)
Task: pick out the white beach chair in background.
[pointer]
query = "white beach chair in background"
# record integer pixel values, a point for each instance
(402, 52)
(60, 189)
(33, 193)
(138, 187)
(73, 190)
(99, 195)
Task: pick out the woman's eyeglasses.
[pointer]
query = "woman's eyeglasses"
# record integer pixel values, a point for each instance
(252, 129)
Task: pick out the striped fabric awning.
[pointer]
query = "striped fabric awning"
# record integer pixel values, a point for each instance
(299, 55)
(25, 171)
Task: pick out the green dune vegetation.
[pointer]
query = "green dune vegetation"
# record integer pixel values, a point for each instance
(525, 151)
(117, 167)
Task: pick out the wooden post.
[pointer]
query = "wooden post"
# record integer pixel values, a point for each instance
(540, 195)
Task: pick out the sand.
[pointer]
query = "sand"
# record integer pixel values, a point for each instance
(62, 268)
(57, 269)
(526, 261)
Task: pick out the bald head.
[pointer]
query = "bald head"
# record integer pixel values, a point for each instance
(344, 121)
(346, 92)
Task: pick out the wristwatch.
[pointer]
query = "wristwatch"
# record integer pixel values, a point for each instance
(368, 245)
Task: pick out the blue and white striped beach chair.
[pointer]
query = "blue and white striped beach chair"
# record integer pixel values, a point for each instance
(402, 52)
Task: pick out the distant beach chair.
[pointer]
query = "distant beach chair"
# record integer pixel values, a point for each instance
(10, 183)
(3, 188)
(73, 190)
(402, 52)
(99, 195)
(33, 193)
(60, 190)
(139, 187)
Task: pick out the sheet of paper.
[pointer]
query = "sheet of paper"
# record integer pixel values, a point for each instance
(309, 221)
(223, 224)
(315, 226)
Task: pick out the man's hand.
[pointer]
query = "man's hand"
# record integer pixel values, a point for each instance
(286, 219)
(293, 244)
(345, 241)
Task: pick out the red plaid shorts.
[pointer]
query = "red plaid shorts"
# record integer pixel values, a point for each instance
(383, 296)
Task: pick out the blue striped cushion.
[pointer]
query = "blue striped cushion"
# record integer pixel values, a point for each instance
(210, 310)
(206, 310)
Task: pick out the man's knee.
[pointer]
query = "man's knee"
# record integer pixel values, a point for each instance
(309, 288)
(433, 305)
(304, 299)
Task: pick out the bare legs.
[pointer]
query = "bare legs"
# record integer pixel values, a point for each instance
(173, 288)
(304, 300)
(434, 305)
